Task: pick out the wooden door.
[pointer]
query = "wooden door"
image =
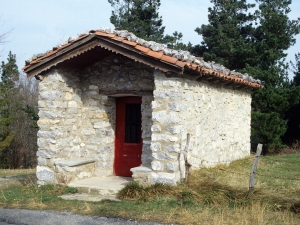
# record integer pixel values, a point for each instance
(128, 142)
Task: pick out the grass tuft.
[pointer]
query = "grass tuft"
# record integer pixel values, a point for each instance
(216, 195)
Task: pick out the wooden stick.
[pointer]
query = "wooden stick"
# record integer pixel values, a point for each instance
(253, 170)
(187, 165)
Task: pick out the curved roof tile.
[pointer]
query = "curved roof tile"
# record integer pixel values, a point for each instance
(181, 59)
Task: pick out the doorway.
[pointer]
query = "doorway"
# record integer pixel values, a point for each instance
(128, 141)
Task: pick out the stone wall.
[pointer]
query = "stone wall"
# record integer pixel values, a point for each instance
(77, 124)
(217, 118)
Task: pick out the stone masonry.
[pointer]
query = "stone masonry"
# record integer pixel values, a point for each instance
(77, 123)
(216, 117)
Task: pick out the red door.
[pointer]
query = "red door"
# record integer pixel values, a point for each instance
(128, 144)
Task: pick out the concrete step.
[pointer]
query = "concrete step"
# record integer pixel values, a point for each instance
(105, 186)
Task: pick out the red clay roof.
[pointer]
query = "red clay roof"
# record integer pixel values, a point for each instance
(158, 55)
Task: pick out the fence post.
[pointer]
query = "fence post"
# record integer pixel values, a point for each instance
(187, 165)
(253, 170)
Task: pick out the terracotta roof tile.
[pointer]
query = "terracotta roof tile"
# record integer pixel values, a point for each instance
(181, 63)
(142, 48)
(169, 59)
(118, 38)
(129, 42)
(154, 54)
(99, 33)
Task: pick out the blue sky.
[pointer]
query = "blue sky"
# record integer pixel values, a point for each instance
(38, 25)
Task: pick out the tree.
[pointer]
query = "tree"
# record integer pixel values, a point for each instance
(175, 42)
(273, 36)
(9, 76)
(296, 71)
(292, 134)
(140, 17)
(227, 38)
(18, 117)
(255, 43)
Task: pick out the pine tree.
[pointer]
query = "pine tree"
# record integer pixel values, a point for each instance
(140, 17)
(227, 37)
(174, 41)
(273, 36)
(296, 71)
(256, 44)
(9, 77)
(292, 134)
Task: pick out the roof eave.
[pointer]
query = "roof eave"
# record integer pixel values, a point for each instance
(92, 41)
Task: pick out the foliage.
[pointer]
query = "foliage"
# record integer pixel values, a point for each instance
(18, 117)
(141, 17)
(255, 42)
(296, 71)
(292, 134)
(138, 16)
(8, 105)
(227, 37)
(175, 42)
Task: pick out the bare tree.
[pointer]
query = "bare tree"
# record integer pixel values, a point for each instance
(24, 145)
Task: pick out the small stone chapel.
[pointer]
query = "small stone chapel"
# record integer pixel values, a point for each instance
(112, 104)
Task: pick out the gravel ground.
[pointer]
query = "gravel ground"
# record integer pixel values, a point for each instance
(36, 217)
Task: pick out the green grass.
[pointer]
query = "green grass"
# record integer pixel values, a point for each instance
(211, 196)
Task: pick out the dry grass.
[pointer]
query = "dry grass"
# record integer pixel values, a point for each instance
(16, 172)
(211, 196)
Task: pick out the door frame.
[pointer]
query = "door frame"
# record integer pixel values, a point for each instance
(120, 134)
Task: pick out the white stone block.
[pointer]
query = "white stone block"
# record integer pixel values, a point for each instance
(50, 95)
(175, 129)
(72, 104)
(155, 146)
(157, 166)
(172, 118)
(167, 94)
(146, 158)
(177, 106)
(87, 131)
(172, 166)
(68, 96)
(173, 148)
(163, 137)
(56, 77)
(41, 161)
(163, 178)
(146, 134)
(159, 116)
(70, 121)
(155, 128)
(156, 104)
(163, 156)
(52, 114)
(43, 154)
(100, 125)
(47, 134)
(44, 173)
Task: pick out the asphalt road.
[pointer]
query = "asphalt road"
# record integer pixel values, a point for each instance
(36, 217)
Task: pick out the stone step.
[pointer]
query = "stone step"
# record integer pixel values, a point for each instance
(104, 186)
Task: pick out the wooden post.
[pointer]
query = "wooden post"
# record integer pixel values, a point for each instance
(187, 165)
(253, 170)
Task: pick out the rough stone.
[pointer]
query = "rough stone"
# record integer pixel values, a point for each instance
(43, 173)
(164, 178)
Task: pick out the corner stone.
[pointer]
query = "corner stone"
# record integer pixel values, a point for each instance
(45, 174)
